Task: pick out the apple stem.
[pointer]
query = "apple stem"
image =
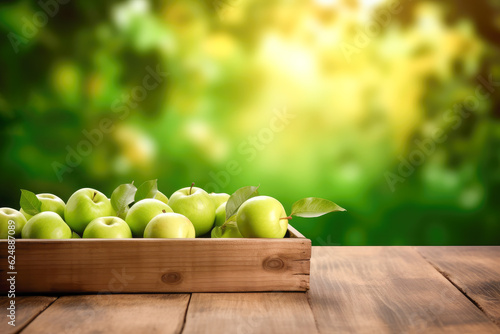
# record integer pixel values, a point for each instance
(191, 189)
(289, 217)
(95, 194)
(163, 211)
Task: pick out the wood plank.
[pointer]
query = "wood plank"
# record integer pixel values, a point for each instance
(158, 313)
(475, 270)
(387, 290)
(27, 308)
(293, 233)
(159, 265)
(249, 313)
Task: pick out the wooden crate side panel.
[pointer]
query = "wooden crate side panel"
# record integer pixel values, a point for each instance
(154, 265)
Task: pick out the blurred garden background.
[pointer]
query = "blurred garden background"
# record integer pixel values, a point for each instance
(388, 108)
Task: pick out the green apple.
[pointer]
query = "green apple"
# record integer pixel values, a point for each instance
(6, 215)
(141, 213)
(262, 217)
(161, 197)
(86, 205)
(197, 205)
(220, 214)
(107, 228)
(219, 198)
(49, 203)
(170, 225)
(46, 225)
(230, 230)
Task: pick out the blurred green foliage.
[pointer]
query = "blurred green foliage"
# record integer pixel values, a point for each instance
(327, 98)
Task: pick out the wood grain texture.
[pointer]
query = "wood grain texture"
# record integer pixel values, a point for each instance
(293, 233)
(159, 313)
(160, 265)
(247, 313)
(475, 270)
(387, 290)
(27, 308)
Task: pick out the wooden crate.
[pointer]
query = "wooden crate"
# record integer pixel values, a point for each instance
(160, 265)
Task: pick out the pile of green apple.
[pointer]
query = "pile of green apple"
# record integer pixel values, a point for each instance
(146, 212)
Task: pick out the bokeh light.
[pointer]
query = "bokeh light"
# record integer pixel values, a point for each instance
(389, 108)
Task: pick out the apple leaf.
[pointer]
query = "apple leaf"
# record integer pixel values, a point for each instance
(216, 232)
(122, 197)
(146, 190)
(231, 223)
(239, 197)
(30, 203)
(228, 221)
(314, 207)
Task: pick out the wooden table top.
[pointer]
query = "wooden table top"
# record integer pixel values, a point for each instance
(353, 289)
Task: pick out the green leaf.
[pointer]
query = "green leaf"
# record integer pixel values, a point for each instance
(216, 232)
(314, 207)
(30, 203)
(146, 190)
(239, 197)
(122, 197)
